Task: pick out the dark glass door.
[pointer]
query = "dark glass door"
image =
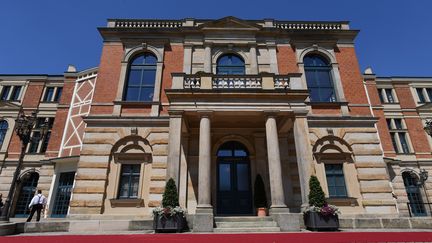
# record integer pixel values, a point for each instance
(63, 194)
(27, 192)
(234, 194)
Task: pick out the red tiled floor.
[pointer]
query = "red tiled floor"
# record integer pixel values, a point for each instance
(231, 238)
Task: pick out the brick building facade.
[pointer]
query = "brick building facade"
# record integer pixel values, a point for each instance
(212, 104)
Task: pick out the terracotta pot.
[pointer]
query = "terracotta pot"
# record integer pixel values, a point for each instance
(262, 212)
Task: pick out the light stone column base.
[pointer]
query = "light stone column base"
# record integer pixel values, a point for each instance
(203, 219)
(287, 221)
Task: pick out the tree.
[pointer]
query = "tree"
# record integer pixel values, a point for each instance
(170, 196)
(316, 193)
(260, 198)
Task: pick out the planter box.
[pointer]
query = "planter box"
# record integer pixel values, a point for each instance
(162, 223)
(316, 221)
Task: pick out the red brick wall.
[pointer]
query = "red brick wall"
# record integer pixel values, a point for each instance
(108, 78)
(352, 79)
(287, 61)
(173, 63)
(33, 94)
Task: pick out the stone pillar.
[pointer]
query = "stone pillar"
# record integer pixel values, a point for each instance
(174, 146)
(304, 155)
(278, 210)
(273, 58)
(207, 58)
(275, 170)
(187, 58)
(253, 59)
(203, 221)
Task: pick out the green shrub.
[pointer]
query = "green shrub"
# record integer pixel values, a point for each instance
(170, 196)
(260, 198)
(316, 193)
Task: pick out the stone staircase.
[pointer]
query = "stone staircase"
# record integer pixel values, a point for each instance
(245, 224)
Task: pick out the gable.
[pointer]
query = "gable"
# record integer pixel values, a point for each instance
(229, 23)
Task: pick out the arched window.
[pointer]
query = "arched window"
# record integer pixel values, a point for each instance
(319, 79)
(230, 64)
(141, 78)
(3, 129)
(28, 186)
(414, 195)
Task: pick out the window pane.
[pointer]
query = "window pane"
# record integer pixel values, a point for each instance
(149, 77)
(224, 153)
(132, 93)
(393, 138)
(324, 79)
(58, 94)
(16, 93)
(34, 143)
(3, 130)
(134, 77)
(398, 123)
(311, 79)
(380, 95)
(420, 95)
(404, 143)
(389, 95)
(146, 94)
(335, 180)
(138, 60)
(129, 181)
(49, 94)
(224, 177)
(429, 93)
(150, 59)
(5, 92)
(230, 64)
(45, 142)
(314, 94)
(242, 177)
(240, 153)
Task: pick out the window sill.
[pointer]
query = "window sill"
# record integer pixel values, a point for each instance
(136, 103)
(405, 154)
(326, 104)
(342, 201)
(390, 103)
(127, 203)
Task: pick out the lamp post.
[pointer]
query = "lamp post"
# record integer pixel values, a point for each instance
(23, 127)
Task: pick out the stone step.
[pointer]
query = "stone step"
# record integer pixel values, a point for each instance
(241, 230)
(242, 219)
(257, 224)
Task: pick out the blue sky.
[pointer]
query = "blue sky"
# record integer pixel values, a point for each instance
(45, 36)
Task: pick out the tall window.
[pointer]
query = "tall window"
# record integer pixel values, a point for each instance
(52, 94)
(141, 78)
(424, 95)
(3, 131)
(11, 93)
(37, 144)
(399, 135)
(230, 64)
(129, 181)
(414, 196)
(319, 79)
(335, 180)
(387, 95)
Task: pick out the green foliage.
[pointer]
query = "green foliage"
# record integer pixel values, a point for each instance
(170, 196)
(260, 198)
(316, 193)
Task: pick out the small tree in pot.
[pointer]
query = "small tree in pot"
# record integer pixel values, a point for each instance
(170, 217)
(319, 215)
(260, 199)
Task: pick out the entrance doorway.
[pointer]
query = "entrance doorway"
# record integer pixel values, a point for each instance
(234, 194)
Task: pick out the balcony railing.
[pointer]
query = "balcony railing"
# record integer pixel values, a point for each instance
(264, 81)
(419, 209)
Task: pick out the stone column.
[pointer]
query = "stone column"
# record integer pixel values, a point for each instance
(304, 155)
(207, 58)
(203, 221)
(187, 58)
(275, 170)
(174, 146)
(253, 59)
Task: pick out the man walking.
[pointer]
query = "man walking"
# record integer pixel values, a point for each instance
(37, 204)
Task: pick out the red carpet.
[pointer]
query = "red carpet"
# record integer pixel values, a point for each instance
(234, 238)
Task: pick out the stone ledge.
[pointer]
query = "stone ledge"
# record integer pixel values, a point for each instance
(378, 203)
(158, 178)
(157, 190)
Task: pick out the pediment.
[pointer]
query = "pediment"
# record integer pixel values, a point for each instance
(229, 23)
(8, 105)
(427, 107)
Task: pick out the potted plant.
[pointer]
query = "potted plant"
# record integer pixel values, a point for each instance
(319, 215)
(260, 199)
(170, 217)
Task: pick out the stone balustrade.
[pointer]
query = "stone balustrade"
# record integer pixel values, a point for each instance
(309, 26)
(263, 81)
(147, 24)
